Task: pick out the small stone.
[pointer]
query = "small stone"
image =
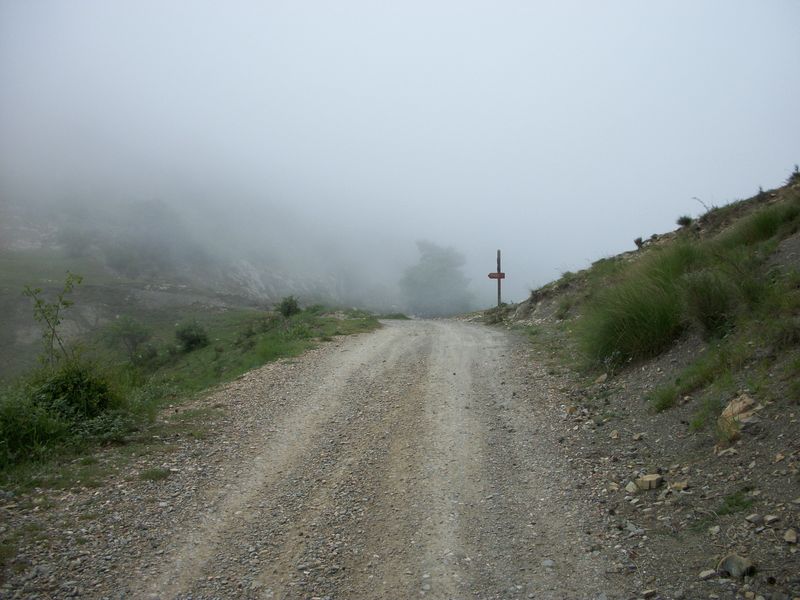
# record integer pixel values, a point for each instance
(736, 566)
(790, 537)
(707, 574)
(755, 519)
(770, 519)
(649, 482)
(631, 488)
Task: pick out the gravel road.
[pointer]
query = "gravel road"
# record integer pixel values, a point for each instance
(420, 460)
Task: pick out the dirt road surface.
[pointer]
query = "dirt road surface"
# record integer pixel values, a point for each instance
(418, 461)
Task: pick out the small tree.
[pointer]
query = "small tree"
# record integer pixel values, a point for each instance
(48, 315)
(436, 286)
(289, 306)
(129, 333)
(191, 336)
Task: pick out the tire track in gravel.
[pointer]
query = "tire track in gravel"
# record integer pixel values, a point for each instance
(324, 397)
(413, 462)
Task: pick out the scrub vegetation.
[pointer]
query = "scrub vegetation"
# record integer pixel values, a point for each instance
(720, 280)
(107, 388)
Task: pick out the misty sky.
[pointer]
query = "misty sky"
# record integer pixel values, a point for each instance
(557, 131)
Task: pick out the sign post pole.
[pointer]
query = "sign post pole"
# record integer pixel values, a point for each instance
(499, 275)
(499, 270)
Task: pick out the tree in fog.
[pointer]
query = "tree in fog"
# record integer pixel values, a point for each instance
(435, 286)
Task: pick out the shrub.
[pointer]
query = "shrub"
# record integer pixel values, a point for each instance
(191, 336)
(710, 300)
(664, 398)
(146, 356)
(642, 314)
(75, 390)
(289, 306)
(565, 304)
(129, 333)
(795, 176)
(684, 220)
(26, 428)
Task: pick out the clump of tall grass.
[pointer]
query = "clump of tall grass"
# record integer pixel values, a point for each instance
(642, 314)
(707, 284)
(710, 300)
(764, 224)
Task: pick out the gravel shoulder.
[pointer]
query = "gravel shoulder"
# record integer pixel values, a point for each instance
(421, 460)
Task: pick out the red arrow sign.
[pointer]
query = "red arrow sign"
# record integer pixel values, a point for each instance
(497, 275)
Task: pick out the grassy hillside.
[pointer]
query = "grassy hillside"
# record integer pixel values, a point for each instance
(727, 284)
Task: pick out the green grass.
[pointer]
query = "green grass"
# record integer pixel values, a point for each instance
(731, 504)
(641, 315)
(764, 224)
(712, 402)
(154, 474)
(664, 397)
(38, 432)
(635, 312)
(735, 503)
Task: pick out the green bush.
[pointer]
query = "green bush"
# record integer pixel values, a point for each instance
(664, 398)
(130, 334)
(75, 390)
(710, 301)
(289, 306)
(27, 429)
(191, 336)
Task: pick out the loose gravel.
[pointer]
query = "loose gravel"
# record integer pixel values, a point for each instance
(421, 460)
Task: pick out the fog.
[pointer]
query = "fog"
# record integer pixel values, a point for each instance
(329, 138)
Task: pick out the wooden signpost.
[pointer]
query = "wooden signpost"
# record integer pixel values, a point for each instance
(499, 275)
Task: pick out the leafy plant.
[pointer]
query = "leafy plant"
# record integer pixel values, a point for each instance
(130, 334)
(75, 390)
(191, 336)
(27, 429)
(289, 306)
(49, 314)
